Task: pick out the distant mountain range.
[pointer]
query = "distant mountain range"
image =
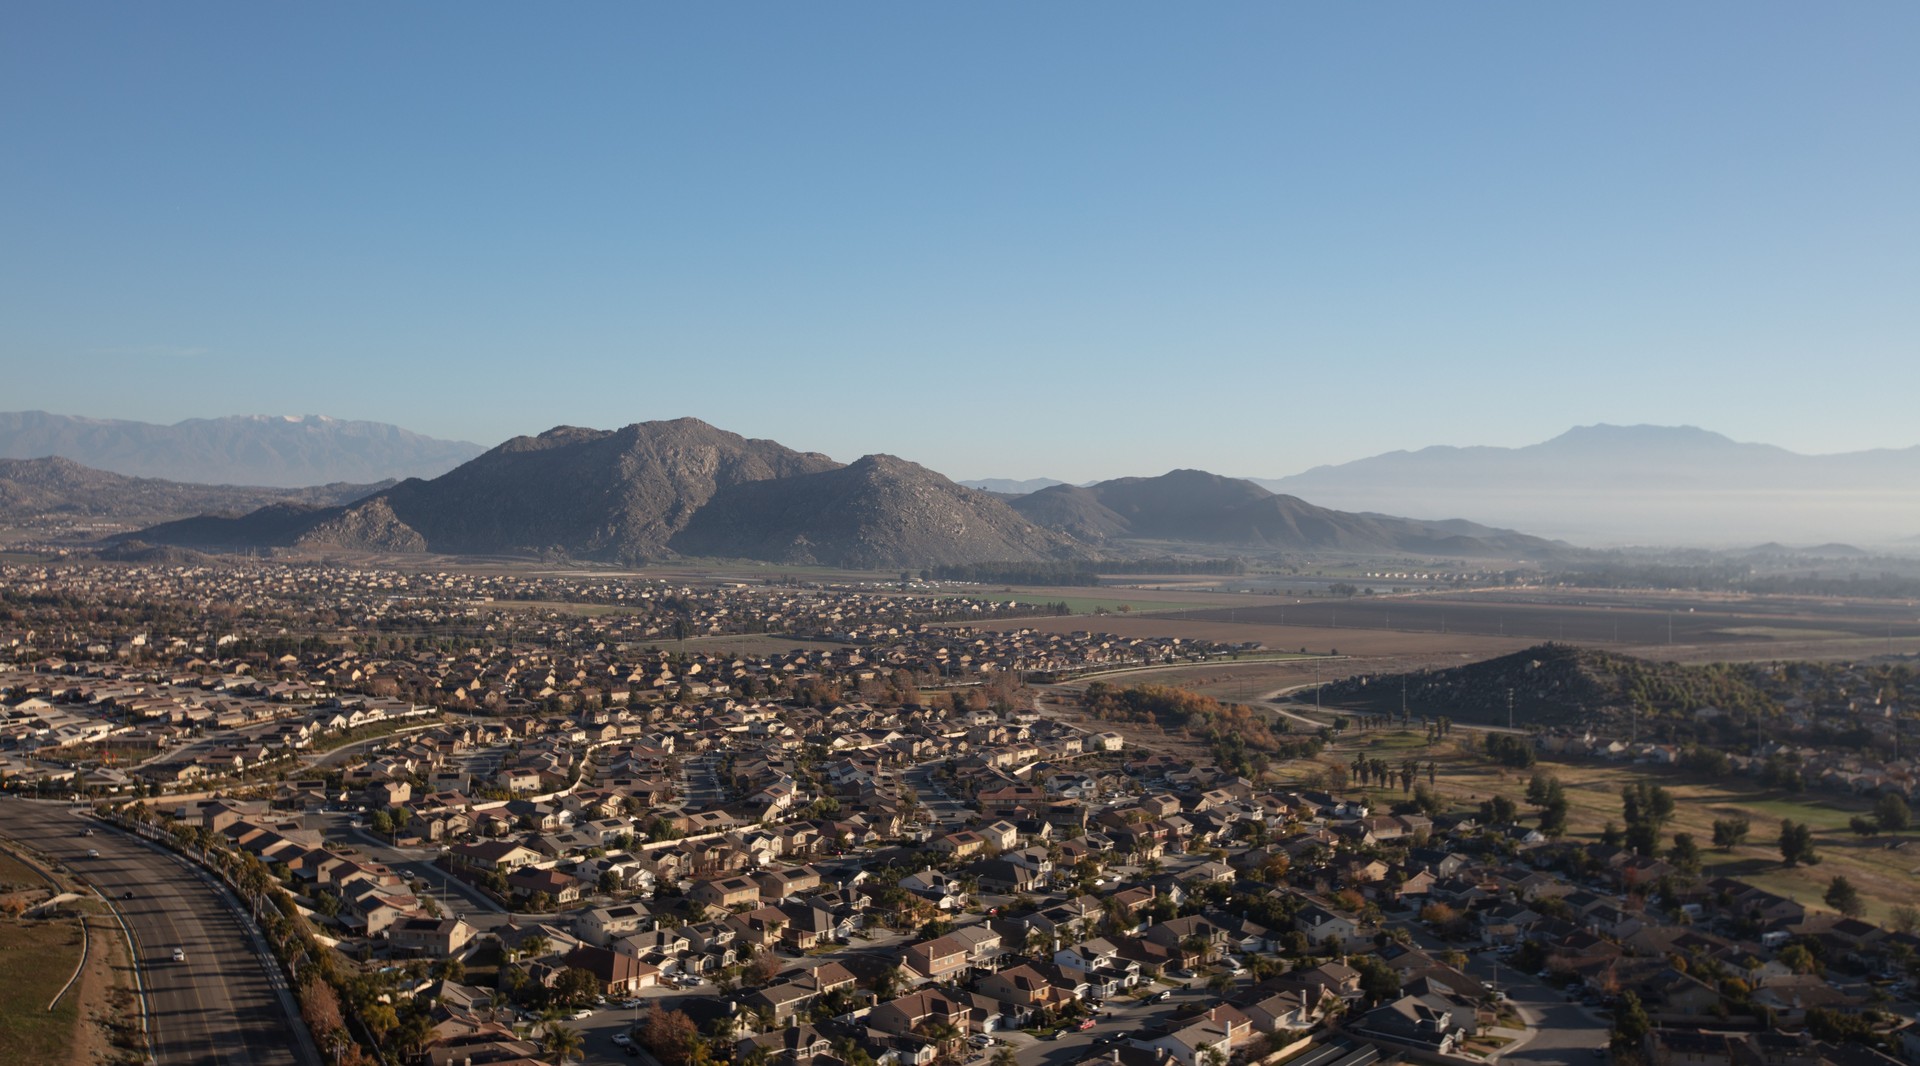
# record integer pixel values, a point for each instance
(264, 450)
(1639, 484)
(1006, 486)
(659, 489)
(60, 488)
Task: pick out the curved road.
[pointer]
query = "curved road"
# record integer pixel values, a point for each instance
(225, 1005)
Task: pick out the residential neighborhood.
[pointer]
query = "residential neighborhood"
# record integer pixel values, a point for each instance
(875, 846)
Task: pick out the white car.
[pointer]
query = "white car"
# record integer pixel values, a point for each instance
(622, 1039)
(179, 954)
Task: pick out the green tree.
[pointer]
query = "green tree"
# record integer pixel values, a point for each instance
(1685, 854)
(576, 986)
(1630, 1024)
(1892, 813)
(1799, 959)
(1498, 811)
(1378, 982)
(1730, 833)
(1796, 844)
(1843, 897)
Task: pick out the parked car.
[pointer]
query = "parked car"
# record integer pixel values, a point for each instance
(1161, 996)
(1085, 1024)
(980, 1040)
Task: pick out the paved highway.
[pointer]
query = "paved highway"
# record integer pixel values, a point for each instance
(224, 1005)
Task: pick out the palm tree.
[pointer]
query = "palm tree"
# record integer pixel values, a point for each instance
(723, 1026)
(563, 1043)
(1199, 946)
(943, 1034)
(1005, 1057)
(888, 982)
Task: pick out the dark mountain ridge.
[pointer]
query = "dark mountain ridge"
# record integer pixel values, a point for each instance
(653, 490)
(871, 513)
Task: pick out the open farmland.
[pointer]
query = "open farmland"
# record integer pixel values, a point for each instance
(1651, 624)
(1313, 639)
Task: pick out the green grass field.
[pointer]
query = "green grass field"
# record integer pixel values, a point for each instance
(36, 958)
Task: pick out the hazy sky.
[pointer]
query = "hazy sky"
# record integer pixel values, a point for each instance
(1078, 240)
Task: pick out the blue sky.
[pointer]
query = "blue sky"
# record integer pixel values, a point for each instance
(1076, 240)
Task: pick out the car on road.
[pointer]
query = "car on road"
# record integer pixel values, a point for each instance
(128, 894)
(1085, 1025)
(583, 1014)
(179, 954)
(1161, 996)
(622, 1039)
(93, 853)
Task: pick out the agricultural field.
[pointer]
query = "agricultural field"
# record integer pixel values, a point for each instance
(1653, 624)
(1455, 648)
